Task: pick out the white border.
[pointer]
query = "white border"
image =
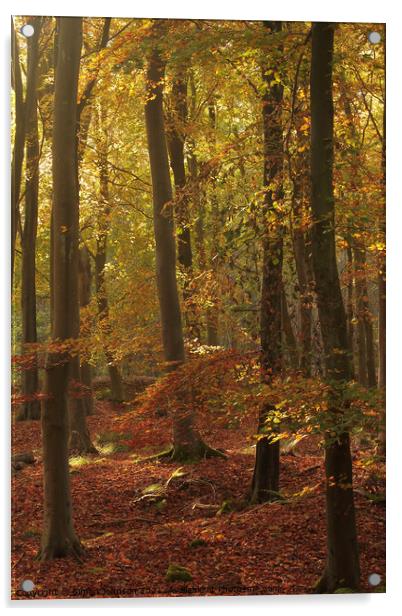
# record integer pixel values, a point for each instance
(292, 10)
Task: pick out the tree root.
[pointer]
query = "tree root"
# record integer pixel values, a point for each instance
(81, 445)
(327, 586)
(186, 454)
(57, 549)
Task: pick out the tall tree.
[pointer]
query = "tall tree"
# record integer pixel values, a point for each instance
(84, 281)
(176, 134)
(80, 439)
(116, 382)
(265, 483)
(342, 568)
(212, 313)
(187, 443)
(19, 141)
(382, 288)
(365, 338)
(30, 380)
(59, 538)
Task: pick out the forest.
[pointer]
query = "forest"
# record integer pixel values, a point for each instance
(198, 307)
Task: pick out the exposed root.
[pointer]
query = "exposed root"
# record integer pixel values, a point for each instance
(81, 445)
(198, 452)
(161, 455)
(56, 549)
(186, 455)
(327, 585)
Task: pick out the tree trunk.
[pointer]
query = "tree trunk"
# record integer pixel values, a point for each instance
(59, 538)
(81, 402)
(265, 483)
(350, 313)
(212, 313)
(175, 140)
(85, 276)
(287, 328)
(187, 442)
(304, 275)
(342, 568)
(116, 382)
(382, 282)
(19, 142)
(367, 370)
(30, 380)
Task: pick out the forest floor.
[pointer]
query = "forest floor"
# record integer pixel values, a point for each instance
(133, 526)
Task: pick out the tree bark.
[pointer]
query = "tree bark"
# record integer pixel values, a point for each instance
(59, 538)
(176, 135)
(287, 328)
(187, 443)
(382, 281)
(350, 312)
(19, 142)
(82, 403)
(116, 382)
(304, 279)
(342, 568)
(30, 379)
(84, 281)
(265, 483)
(367, 369)
(212, 313)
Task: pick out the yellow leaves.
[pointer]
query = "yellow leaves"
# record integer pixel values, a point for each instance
(377, 247)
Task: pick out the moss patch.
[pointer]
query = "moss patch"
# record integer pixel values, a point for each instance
(177, 573)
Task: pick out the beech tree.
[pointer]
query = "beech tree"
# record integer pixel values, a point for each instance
(265, 483)
(116, 382)
(59, 538)
(30, 380)
(19, 141)
(342, 568)
(187, 443)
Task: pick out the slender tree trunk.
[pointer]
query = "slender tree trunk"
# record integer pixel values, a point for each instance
(382, 281)
(350, 313)
(30, 380)
(80, 440)
(287, 328)
(176, 135)
(85, 277)
(212, 313)
(342, 568)
(116, 382)
(198, 200)
(304, 276)
(187, 443)
(175, 142)
(59, 538)
(367, 370)
(265, 483)
(19, 142)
